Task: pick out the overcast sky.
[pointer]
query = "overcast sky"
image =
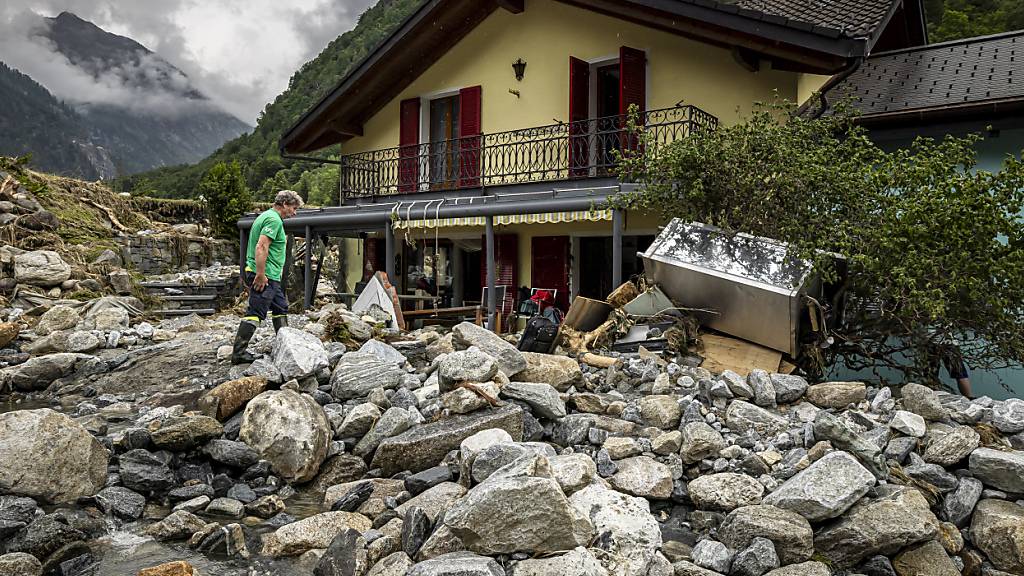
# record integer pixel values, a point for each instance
(240, 53)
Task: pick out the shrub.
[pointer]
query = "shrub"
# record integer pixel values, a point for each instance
(227, 198)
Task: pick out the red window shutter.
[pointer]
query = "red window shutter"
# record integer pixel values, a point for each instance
(470, 139)
(579, 112)
(373, 257)
(506, 271)
(632, 88)
(409, 145)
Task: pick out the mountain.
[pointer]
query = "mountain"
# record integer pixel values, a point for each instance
(265, 170)
(147, 114)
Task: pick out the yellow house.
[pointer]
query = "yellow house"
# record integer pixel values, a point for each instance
(478, 142)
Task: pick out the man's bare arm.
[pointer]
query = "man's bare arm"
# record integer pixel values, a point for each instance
(262, 250)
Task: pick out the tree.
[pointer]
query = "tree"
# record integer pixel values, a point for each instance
(227, 198)
(935, 247)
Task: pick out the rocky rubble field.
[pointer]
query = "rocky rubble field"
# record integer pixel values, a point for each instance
(451, 453)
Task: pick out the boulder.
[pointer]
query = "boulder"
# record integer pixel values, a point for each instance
(826, 489)
(41, 268)
(298, 354)
(426, 445)
(45, 536)
(518, 514)
(1008, 416)
(562, 372)
(809, 568)
(788, 387)
(39, 372)
(629, 531)
(928, 559)
(660, 411)
(790, 532)
(184, 433)
(434, 501)
(397, 564)
(1003, 470)
(48, 456)
(577, 562)
(393, 422)
(177, 526)
(57, 318)
(359, 420)
(317, 531)
(725, 491)
(144, 472)
(836, 394)
(953, 447)
(882, 525)
(228, 398)
(384, 351)
(997, 529)
(8, 332)
(700, 441)
(908, 423)
(20, 564)
(465, 366)
(235, 454)
(958, 505)
(107, 319)
(457, 564)
(121, 502)
(357, 374)
(509, 359)
(643, 476)
(743, 416)
(288, 429)
(923, 401)
(542, 398)
(573, 471)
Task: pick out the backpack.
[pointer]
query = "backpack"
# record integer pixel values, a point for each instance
(539, 335)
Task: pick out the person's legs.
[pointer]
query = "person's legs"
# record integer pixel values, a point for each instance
(958, 371)
(278, 307)
(254, 314)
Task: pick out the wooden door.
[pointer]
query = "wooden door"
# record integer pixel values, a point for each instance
(549, 266)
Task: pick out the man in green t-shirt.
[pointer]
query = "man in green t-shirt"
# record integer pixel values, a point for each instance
(264, 264)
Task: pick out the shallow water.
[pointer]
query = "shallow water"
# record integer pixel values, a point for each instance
(11, 404)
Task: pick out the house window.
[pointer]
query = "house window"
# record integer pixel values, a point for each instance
(444, 142)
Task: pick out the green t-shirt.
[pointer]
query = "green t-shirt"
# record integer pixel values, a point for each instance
(268, 224)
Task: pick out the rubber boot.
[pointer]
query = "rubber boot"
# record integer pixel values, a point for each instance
(239, 355)
(279, 322)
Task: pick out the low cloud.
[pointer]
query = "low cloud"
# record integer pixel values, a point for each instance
(238, 53)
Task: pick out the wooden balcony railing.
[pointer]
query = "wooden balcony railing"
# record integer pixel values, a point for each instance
(564, 151)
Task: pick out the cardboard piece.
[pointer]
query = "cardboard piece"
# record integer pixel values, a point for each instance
(586, 314)
(740, 356)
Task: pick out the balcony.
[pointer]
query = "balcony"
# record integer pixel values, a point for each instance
(564, 151)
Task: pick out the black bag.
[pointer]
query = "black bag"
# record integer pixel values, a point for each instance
(539, 335)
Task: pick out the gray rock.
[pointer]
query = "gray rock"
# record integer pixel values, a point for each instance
(346, 556)
(712, 555)
(542, 398)
(317, 531)
(883, 525)
(509, 359)
(385, 352)
(357, 374)
(725, 491)
(788, 387)
(790, 532)
(56, 319)
(435, 501)
(194, 505)
(426, 445)
(764, 388)
(737, 385)
(1003, 470)
(48, 456)
(743, 416)
(226, 507)
(231, 453)
(20, 564)
(958, 505)
(242, 492)
(44, 536)
(41, 268)
(923, 401)
(932, 474)
(393, 422)
(177, 526)
(577, 562)
(298, 354)
(826, 489)
(810, 568)
(842, 436)
(471, 366)
(457, 564)
(359, 420)
(701, 441)
(121, 502)
(629, 531)
(288, 429)
(660, 411)
(496, 456)
(184, 433)
(562, 372)
(1008, 416)
(953, 447)
(427, 479)
(928, 558)
(908, 423)
(756, 559)
(144, 472)
(518, 514)
(572, 429)
(997, 529)
(573, 471)
(39, 372)
(416, 527)
(396, 564)
(900, 447)
(836, 394)
(643, 476)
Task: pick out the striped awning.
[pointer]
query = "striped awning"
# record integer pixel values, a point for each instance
(480, 221)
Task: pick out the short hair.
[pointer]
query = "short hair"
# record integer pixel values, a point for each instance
(288, 198)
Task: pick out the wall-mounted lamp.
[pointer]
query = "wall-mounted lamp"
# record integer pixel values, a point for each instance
(520, 68)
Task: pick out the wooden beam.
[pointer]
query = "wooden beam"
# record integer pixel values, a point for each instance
(513, 6)
(346, 128)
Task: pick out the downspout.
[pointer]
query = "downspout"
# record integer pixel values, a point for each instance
(835, 81)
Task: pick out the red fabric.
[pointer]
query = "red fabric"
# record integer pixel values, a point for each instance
(544, 296)
(409, 146)
(470, 139)
(579, 112)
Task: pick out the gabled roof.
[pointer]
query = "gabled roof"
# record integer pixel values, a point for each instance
(819, 36)
(963, 77)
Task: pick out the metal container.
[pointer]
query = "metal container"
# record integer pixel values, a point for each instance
(746, 286)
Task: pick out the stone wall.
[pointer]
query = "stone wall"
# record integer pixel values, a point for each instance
(166, 253)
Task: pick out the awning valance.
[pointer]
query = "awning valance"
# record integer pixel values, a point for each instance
(480, 221)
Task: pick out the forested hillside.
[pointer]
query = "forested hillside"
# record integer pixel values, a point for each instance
(954, 19)
(265, 171)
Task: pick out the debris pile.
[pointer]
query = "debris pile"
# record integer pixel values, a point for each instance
(437, 452)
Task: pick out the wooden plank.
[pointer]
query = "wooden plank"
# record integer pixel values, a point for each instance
(724, 353)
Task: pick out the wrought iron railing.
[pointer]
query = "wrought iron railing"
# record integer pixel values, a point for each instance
(564, 151)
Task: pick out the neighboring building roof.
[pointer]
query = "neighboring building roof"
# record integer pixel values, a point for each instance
(967, 75)
(819, 36)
